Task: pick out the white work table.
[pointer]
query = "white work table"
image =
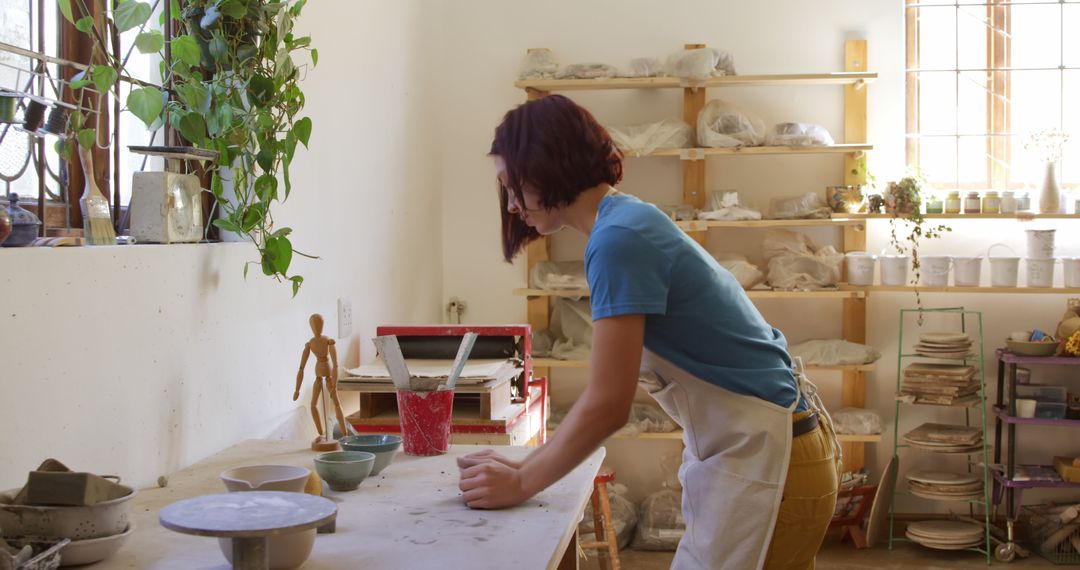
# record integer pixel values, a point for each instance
(409, 516)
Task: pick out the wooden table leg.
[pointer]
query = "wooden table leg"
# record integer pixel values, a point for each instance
(570, 556)
(250, 553)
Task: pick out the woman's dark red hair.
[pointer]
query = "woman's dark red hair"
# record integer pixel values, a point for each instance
(556, 147)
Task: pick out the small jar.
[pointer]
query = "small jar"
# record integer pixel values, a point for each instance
(1076, 207)
(952, 203)
(972, 204)
(991, 203)
(1008, 202)
(1023, 202)
(934, 205)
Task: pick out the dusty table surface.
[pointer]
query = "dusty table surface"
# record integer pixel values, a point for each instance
(409, 516)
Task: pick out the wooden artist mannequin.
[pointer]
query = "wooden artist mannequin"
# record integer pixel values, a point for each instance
(326, 367)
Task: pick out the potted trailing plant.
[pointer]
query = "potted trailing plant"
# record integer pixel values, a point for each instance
(903, 199)
(235, 90)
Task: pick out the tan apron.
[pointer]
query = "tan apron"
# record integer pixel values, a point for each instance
(734, 466)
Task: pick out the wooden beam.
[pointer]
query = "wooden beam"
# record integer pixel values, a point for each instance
(693, 170)
(911, 80)
(855, 112)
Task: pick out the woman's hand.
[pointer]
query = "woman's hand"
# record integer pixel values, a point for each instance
(485, 456)
(492, 485)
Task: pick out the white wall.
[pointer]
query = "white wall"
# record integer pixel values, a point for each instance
(142, 360)
(484, 43)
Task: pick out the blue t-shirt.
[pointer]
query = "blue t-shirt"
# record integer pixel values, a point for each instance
(697, 316)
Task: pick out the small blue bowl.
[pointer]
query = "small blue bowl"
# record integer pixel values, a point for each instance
(383, 446)
(344, 470)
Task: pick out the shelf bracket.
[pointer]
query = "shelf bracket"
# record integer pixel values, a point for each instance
(691, 154)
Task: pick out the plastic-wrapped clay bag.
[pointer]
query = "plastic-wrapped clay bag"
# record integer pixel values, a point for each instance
(799, 134)
(809, 205)
(645, 67)
(700, 64)
(856, 421)
(559, 275)
(680, 212)
(834, 352)
(795, 264)
(539, 64)
(745, 272)
(624, 517)
(661, 524)
(647, 418)
(541, 343)
(642, 139)
(722, 124)
(587, 71)
(571, 325)
(726, 206)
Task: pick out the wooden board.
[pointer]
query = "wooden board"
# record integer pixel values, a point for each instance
(409, 516)
(377, 398)
(838, 78)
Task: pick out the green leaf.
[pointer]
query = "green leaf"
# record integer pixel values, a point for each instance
(300, 42)
(246, 265)
(279, 253)
(265, 159)
(195, 96)
(290, 146)
(234, 9)
(150, 42)
(302, 128)
(266, 187)
(65, 9)
(226, 225)
(246, 52)
(314, 57)
(104, 77)
(297, 281)
(219, 50)
(285, 177)
(261, 89)
(193, 128)
(186, 49)
(174, 10)
(131, 14)
(63, 149)
(217, 188)
(253, 215)
(87, 137)
(282, 232)
(85, 24)
(146, 103)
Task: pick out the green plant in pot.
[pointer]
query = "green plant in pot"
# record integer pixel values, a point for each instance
(908, 226)
(235, 89)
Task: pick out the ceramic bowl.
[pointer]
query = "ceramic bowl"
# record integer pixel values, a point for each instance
(1031, 348)
(104, 519)
(285, 550)
(344, 470)
(383, 446)
(79, 552)
(266, 478)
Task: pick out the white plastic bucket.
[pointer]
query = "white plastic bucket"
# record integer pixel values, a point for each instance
(1072, 271)
(860, 267)
(1040, 272)
(1040, 244)
(967, 271)
(935, 270)
(894, 269)
(1004, 271)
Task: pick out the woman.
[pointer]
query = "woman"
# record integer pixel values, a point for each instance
(759, 470)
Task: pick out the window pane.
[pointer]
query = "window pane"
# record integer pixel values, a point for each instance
(132, 130)
(1036, 100)
(937, 102)
(1036, 36)
(937, 38)
(971, 106)
(972, 27)
(937, 160)
(1071, 50)
(1070, 161)
(972, 162)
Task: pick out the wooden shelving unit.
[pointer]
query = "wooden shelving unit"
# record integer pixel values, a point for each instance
(582, 364)
(854, 80)
(967, 290)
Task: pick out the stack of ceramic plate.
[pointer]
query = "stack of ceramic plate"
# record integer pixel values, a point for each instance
(940, 385)
(945, 438)
(946, 535)
(944, 345)
(945, 486)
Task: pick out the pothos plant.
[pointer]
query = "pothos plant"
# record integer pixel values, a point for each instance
(905, 198)
(232, 86)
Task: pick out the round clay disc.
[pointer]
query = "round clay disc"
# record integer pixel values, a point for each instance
(945, 530)
(943, 478)
(944, 337)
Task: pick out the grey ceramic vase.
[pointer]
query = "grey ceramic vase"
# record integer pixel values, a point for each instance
(24, 224)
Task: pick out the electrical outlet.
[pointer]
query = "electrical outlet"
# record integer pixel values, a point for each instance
(344, 317)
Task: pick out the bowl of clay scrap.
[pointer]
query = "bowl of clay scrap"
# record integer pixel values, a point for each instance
(79, 552)
(383, 446)
(344, 470)
(1028, 348)
(107, 518)
(286, 478)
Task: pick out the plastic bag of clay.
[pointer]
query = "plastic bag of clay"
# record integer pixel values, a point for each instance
(571, 329)
(587, 71)
(679, 212)
(644, 138)
(647, 418)
(538, 64)
(794, 262)
(809, 205)
(559, 275)
(722, 124)
(542, 343)
(700, 64)
(745, 272)
(856, 421)
(661, 524)
(725, 206)
(624, 517)
(834, 352)
(669, 466)
(645, 67)
(798, 134)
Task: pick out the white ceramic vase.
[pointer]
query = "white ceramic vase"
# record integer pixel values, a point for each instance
(1050, 192)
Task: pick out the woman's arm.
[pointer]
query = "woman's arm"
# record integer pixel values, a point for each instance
(602, 409)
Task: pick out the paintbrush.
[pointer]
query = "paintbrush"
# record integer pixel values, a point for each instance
(97, 218)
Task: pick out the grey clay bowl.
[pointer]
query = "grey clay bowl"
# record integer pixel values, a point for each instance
(344, 470)
(383, 446)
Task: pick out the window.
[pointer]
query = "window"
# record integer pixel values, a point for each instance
(983, 75)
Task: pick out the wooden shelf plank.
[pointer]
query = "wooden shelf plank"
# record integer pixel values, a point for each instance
(701, 225)
(876, 438)
(745, 150)
(581, 364)
(1022, 216)
(556, 363)
(837, 78)
(847, 293)
(969, 290)
(573, 293)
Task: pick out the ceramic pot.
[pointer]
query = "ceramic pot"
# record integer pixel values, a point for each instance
(24, 224)
(1050, 191)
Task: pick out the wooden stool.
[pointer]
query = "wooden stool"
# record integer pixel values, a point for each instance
(601, 508)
